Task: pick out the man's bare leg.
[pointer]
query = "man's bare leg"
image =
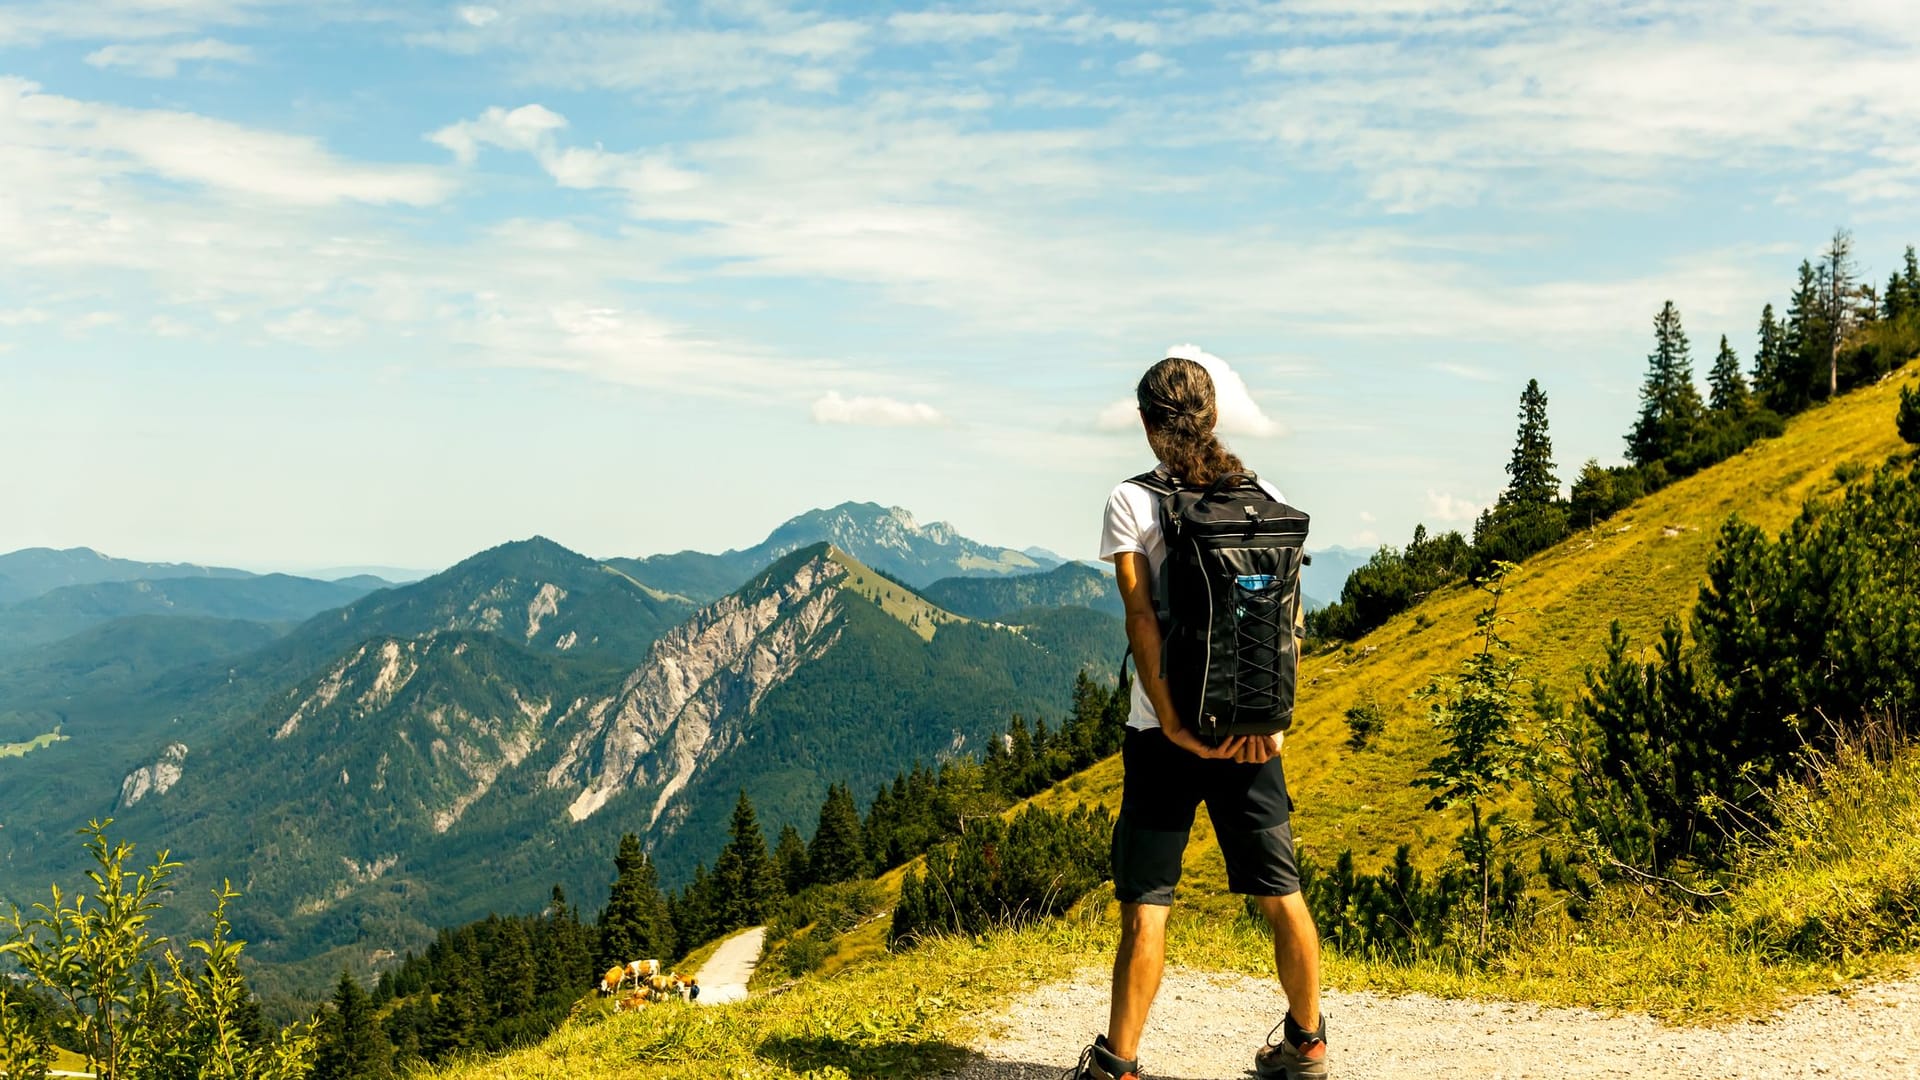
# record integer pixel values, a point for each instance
(1136, 975)
(1296, 953)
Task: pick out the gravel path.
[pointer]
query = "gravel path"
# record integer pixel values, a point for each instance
(1205, 1027)
(724, 976)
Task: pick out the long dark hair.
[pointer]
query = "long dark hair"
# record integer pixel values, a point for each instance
(1177, 402)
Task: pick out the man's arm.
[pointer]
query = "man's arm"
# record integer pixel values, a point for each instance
(1131, 570)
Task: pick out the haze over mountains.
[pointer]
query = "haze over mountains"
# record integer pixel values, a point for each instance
(372, 762)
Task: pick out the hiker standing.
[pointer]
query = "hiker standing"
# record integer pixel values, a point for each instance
(1208, 561)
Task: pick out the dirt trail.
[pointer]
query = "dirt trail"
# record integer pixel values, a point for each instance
(1205, 1027)
(724, 976)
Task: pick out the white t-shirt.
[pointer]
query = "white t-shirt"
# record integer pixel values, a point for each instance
(1132, 523)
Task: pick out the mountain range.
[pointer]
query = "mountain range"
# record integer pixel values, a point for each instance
(416, 755)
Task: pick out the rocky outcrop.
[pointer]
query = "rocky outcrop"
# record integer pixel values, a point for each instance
(155, 779)
(687, 703)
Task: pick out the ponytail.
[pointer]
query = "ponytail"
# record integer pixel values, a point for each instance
(1177, 401)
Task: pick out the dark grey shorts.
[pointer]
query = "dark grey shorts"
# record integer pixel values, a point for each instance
(1163, 786)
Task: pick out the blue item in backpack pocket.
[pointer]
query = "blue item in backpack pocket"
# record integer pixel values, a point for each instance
(1249, 585)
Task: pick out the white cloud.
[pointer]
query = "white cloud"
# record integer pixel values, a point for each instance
(1366, 538)
(1463, 371)
(1239, 413)
(477, 14)
(869, 411)
(116, 142)
(1448, 508)
(528, 128)
(22, 316)
(1122, 415)
(162, 60)
(1147, 63)
(1367, 516)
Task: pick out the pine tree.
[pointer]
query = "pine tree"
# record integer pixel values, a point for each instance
(746, 880)
(1908, 419)
(838, 852)
(1476, 713)
(791, 853)
(1670, 406)
(1533, 483)
(1592, 497)
(635, 924)
(1729, 397)
(1804, 343)
(1767, 359)
(351, 1045)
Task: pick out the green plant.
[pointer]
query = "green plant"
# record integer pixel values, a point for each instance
(133, 1018)
(26, 1052)
(1848, 471)
(1476, 713)
(1364, 721)
(1908, 418)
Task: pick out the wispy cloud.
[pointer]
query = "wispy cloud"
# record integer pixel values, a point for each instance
(866, 411)
(1470, 372)
(162, 60)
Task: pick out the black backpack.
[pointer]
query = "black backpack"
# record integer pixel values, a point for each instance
(1227, 597)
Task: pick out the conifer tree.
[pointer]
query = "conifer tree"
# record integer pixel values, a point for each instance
(838, 852)
(746, 880)
(351, 1045)
(1804, 343)
(1670, 407)
(1476, 713)
(1767, 359)
(1533, 483)
(1592, 497)
(1729, 396)
(1908, 419)
(635, 924)
(791, 853)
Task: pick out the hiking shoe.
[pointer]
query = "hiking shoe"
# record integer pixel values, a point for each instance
(1299, 1055)
(1099, 1063)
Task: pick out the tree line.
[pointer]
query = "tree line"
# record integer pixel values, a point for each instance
(1837, 333)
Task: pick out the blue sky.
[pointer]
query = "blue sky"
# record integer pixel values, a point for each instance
(340, 282)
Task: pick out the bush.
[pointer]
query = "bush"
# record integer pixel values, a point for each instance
(1364, 721)
(1401, 913)
(1004, 872)
(135, 1015)
(1908, 417)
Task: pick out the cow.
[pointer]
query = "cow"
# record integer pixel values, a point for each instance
(611, 982)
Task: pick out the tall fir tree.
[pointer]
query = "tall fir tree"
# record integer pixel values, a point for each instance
(838, 852)
(746, 880)
(791, 853)
(1767, 358)
(635, 924)
(1729, 397)
(1804, 344)
(1532, 482)
(351, 1045)
(1670, 407)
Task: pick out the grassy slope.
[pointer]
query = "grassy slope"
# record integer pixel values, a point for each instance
(910, 608)
(1633, 568)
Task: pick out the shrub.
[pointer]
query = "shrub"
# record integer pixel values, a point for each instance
(1002, 872)
(1364, 721)
(135, 1018)
(1908, 418)
(1848, 471)
(1401, 913)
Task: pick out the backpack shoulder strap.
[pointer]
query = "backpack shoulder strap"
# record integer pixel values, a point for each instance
(1155, 481)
